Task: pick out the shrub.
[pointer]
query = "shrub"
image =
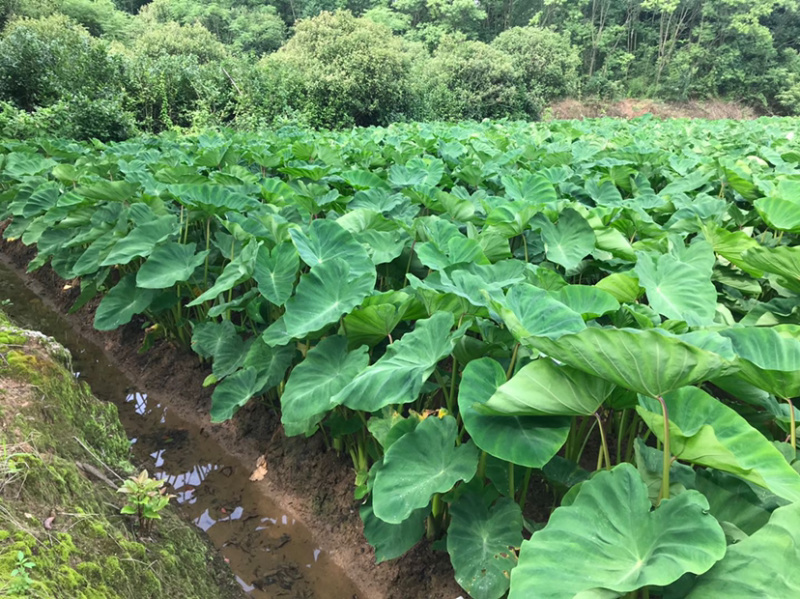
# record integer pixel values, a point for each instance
(45, 60)
(173, 39)
(346, 71)
(545, 62)
(468, 80)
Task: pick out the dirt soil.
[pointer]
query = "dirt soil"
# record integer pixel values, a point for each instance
(632, 107)
(312, 484)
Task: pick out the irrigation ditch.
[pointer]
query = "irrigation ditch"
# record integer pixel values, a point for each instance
(295, 532)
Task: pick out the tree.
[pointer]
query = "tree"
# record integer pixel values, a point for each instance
(545, 62)
(347, 70)
(469, 80)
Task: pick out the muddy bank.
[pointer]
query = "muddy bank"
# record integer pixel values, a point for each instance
(309, 483)
(63, 453)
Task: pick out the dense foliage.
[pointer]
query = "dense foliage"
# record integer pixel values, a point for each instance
(571, 347)
(167, 64)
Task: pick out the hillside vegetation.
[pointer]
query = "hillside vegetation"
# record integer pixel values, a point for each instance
(109, 70)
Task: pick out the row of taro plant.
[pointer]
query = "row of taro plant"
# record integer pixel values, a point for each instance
(495, 321)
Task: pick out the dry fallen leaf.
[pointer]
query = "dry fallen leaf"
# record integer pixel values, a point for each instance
(48, 523)
(261, 469)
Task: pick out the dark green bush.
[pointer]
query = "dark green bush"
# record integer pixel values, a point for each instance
(45, 60)
(343, 71)
(545, 63)
(468, 80)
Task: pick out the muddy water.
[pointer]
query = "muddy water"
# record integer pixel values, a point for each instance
(271, 554)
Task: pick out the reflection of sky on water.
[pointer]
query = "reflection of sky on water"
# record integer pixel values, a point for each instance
(140, 406)
(247, 588)
(141, 402)
(205, 521)
(184, 483)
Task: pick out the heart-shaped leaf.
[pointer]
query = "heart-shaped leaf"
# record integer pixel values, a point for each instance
(392, 540)
(121, 304)
(677, 289)
(326, 370)
(529, 311)
(610, 525)
(481, 542)
(169, 264)
(526, 440)
(542, 388)
(233, 393)
(568, 241)
(419, 464)
(590, 302)
(141, 241)
(322, 296)
(763, 565)
(397, 377)
(705, 431)
(275, 272)
(651, 362)
(769, 358)
(327, 240)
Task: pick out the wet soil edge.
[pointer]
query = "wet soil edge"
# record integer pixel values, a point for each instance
(311, 484)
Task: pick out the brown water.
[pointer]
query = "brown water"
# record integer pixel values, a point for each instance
(271, 554)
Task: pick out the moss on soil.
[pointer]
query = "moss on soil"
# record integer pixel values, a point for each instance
(63, 518)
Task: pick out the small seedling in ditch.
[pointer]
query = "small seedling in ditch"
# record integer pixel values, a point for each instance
(146, 498)
(21, 581)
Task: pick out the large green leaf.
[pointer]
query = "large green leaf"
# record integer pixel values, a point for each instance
(141, 241)
(567, 242)
(782, 210)
(392, 540)
(169, 264)
(376, 318)
(323, 295)
(769, 359)
(326, 370)
(121, 304)
(481, 543)
(764, 565)
(676, 289)
(397, 377)
(590, 302)
(651, 362)
(477, 283)
(529, 311)
(275, 272)
(209, 337)
(19, 165)
(235, 272)
(623, 287)
(543, 388)
(233, 393)
(270, 363)
(212, 199)
(419, 464)
(732, 500)
(705, 431)
(447, 246)
(783, 261)
(611, 543)
(327, 240)
(530, 188)
(526, 440)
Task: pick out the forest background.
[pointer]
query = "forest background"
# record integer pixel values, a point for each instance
(112, 69)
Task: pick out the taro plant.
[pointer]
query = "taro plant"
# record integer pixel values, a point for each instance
(146, 497)
(570, 346)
